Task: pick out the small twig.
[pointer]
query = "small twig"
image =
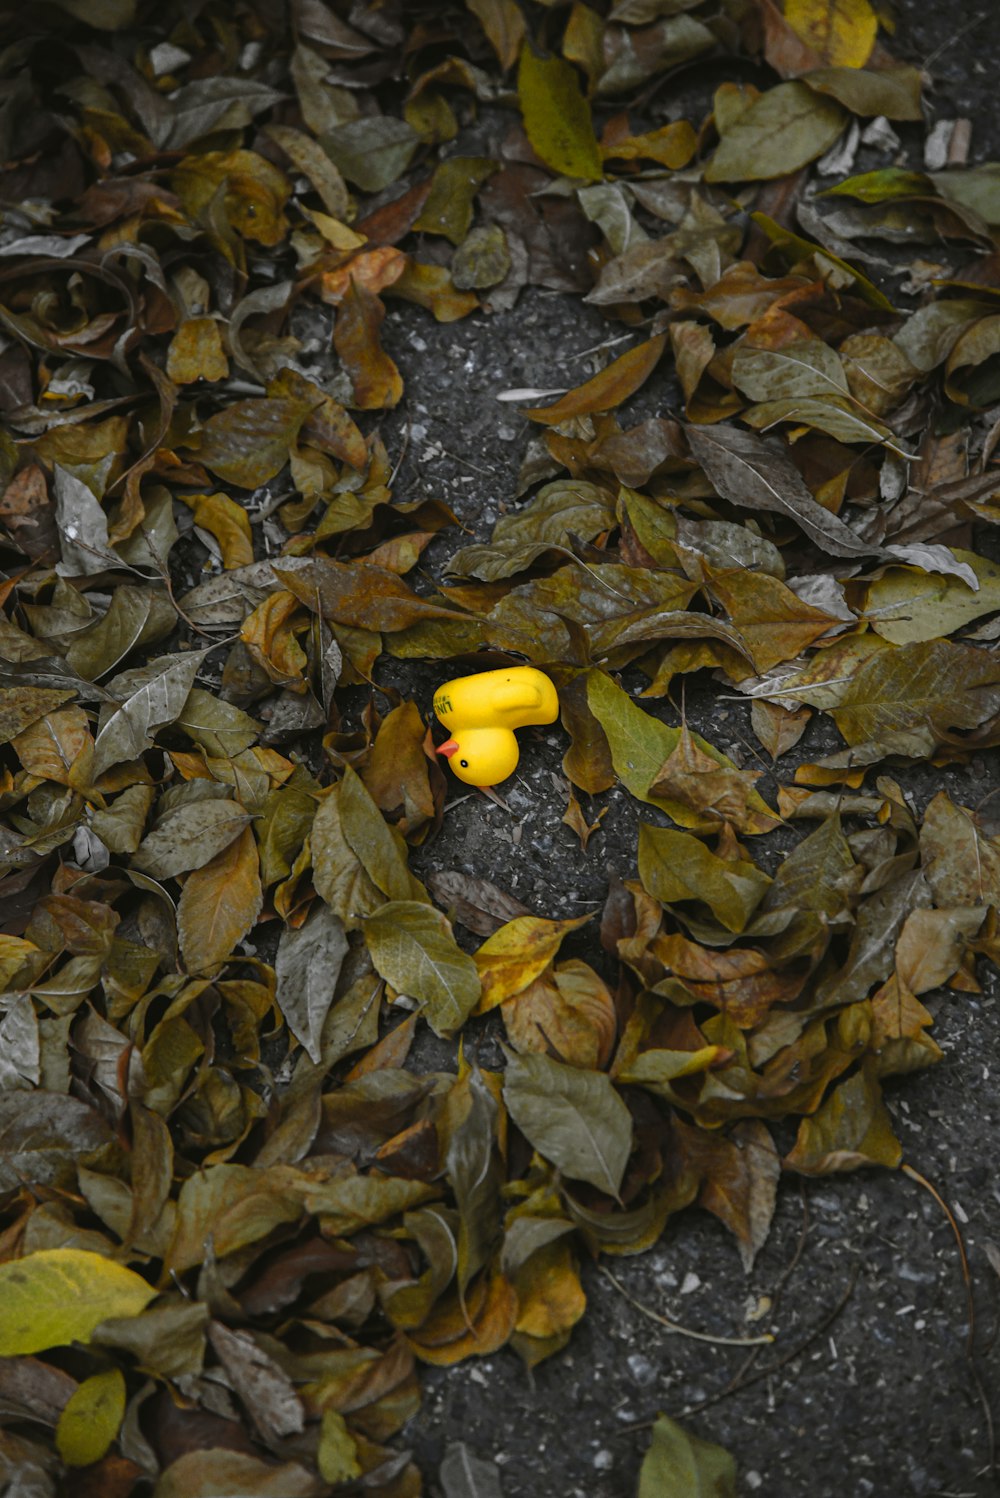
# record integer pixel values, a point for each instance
(970, 1341)
(955, 37)
(403, 451)
(674, 1326)
(789, 1357)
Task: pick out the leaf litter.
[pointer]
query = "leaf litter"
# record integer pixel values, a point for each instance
(227, 1184)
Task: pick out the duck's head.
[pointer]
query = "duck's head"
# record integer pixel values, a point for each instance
(481, 756)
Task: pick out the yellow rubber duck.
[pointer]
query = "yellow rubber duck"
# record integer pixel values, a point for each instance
(482, 712)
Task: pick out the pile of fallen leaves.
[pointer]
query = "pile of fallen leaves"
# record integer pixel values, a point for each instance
(233, 1221)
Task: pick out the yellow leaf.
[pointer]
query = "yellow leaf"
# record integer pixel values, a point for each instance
(517, 954)
(482, 1325)
(337, 1458)
(196, 352)
(550, 1296)
(557, 116)
(228, 522)
(219, 904)
(671, 145)
(431, 287)
(91, 1419)
(14, 953)
(58, 1296)
(840, 32)
(254, 191)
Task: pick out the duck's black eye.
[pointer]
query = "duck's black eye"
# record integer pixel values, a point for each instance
(464, 763)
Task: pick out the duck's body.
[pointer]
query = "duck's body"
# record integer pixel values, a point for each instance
(482, 712)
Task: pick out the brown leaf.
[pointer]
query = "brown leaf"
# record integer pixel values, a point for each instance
(249, 441)
(219, 904)
(476, 903)
(376, 380)
(567, 1012)
(740, 1181)
(622, 378)
(691, 777)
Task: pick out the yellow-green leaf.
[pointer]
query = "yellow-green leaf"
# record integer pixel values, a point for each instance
(679, 1465)
(337, 1457)
(412, 946)
(91, 1419)
(557, 116)
(676, 867)
(58, 1295)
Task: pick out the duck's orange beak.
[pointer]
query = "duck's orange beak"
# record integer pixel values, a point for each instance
(448, 748)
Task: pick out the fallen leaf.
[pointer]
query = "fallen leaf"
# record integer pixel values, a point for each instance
(620, 379)
(840, 32)
(56, 1296)
(90, 1419)
(556, 115)
(413, 948)
(219, 904)
(680, 1465)
(574, 1118)
(784, 129)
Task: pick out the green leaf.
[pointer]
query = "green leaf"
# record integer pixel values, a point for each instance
(574, 1118)
(379, 847)
(412, 946)
(640, 744)
(784, 129)
(833, 415)
(676, 867)
(135, 617)
(59, 1295)
(887, 184)
(91, 1418)
(220, 728)
(906, 604)
(448, 209)
(337, 1457)
(680, 1465)
(557, 116)
(338, 873)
